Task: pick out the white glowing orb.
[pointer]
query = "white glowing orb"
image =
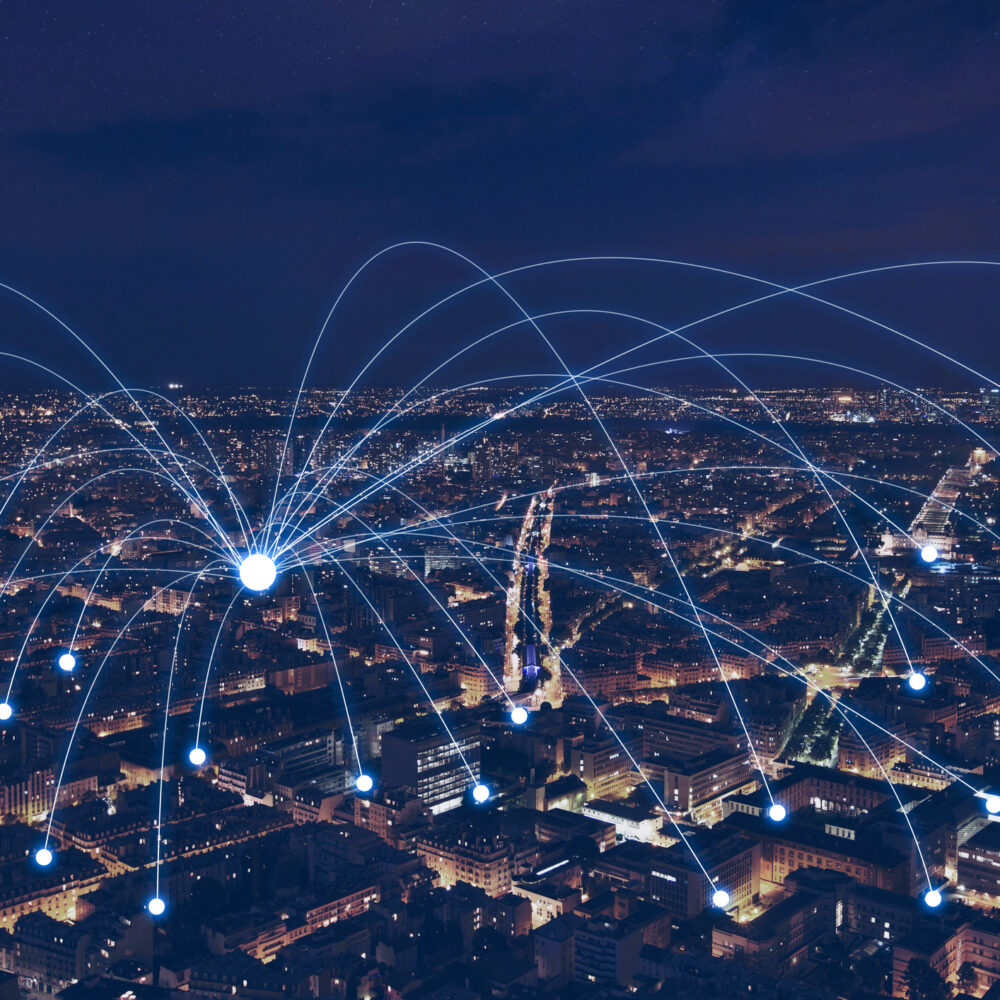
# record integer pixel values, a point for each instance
(257, 571)
(777, 812)
(720, 898)
(480, 793)
(993, 803)
(197, 756)
(917, 681)
(43, 856)
(929, 554)
(67, 662)
(5, 711)
(519, 716)
(932, 898)
(364, 783)
(156, 906)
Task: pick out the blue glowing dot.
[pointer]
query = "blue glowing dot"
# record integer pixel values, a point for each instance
(5, 711)
(929, 554)
(519, 716)
(197, 756)
(364, 783)
(67, 662)
(993, 803)
(777, 812)
(932, 898)
(480, 793)
(720, 898)
(43, 856)
(156, 906)
(917, 681)
(257, 571)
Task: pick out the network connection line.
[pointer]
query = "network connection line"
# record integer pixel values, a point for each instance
(336, 668)
(420, 531)
(416, 673)
(208, 670)
(86, 699)
(166, 723)
(769, 658)
(351, 493)
(781, 290)
(75, 570)
(80, 340)
(639, 770)
(777, 812)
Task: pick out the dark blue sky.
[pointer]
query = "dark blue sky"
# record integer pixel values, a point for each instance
(189, 183)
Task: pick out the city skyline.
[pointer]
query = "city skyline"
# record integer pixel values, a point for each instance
(499, 501)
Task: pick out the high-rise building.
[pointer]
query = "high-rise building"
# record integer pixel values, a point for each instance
(423, 759)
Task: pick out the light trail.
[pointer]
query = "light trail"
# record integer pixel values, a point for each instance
(290, 533)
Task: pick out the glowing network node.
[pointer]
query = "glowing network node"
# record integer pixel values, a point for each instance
(5, 711)
(929, 553)
(257, 571)
(993, 803)
(917, 681)
(932, 898)
(720, 898)
(777, 812)
(156, 906)
(197, 756)
(519, 716)
(480, 793)
(364, 783)
(67, 662)
(43, 856)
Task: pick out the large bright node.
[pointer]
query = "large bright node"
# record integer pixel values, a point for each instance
(156, 906)
(917, 681)
(993, 803)
(197, 756)
(67, 662)
(929, 554)
(777, 812)
(364, 783)
(43, 856)
(480, 793)
(5, 711)
(519, 716)
(720, 898)
(932, 898)
(257, 571)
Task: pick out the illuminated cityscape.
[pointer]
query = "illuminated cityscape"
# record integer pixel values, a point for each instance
(499, 501)
(322, 692)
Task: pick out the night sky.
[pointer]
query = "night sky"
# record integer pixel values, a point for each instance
(190, 183)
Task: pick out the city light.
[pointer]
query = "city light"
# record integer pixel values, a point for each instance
(257, 571)
(365, 555)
